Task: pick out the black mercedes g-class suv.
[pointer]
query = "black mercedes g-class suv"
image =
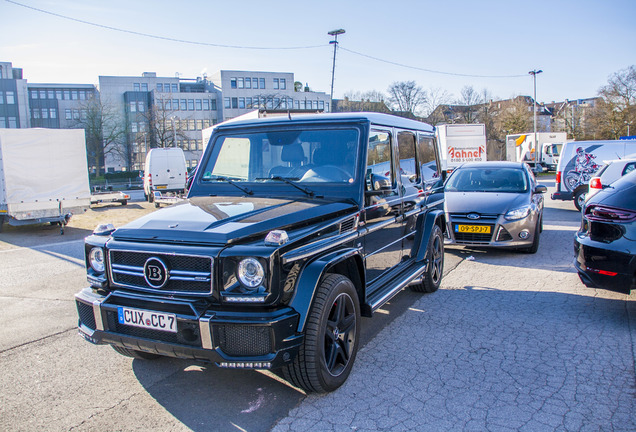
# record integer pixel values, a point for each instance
(293, 228)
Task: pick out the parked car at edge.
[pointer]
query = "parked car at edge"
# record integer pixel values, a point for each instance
(608, 173)
(165, 171)
(494, 204)
(605, 245)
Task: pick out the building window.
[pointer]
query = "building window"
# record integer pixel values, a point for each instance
(241, 83)
(190, 104)
(142, 106)
(136, 86)
(58, 94)
(133, 106)
(45, 113)
(261, 83)
(234, 102)
(226, 102)
(160, 87)
(13, 122)
(192, 124)
(206, 104)
(76, 114)
(36, 113)
(3, 122)
(248, 83)
(10, 98)
(199, 124)
(67, 95)
(283, 84)
(68, 114)
(248, 102)
(213, 104)
(321, 105)
(52, 113)
(34, 94)
(241, 103)
(42, 94)
(144, 87)
(50, 94)
(142, 127)
(83, 114)
(275, 83)
(255, 82)
(197, 104)
(184, 105)
(175, 104)
(75, 95)
(82, 95)
(233, 83)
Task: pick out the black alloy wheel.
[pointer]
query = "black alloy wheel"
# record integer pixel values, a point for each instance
(331, 340)
(432, 279)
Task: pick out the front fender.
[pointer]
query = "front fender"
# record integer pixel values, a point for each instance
(423, 228)
(310, 277)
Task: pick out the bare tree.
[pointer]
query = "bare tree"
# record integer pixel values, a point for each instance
(406, 97)
(470, 98)
(617, 110)
(514, 117)
(105, 132)
(435, 96)
(371, 101)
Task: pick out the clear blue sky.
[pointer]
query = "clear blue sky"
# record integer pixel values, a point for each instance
(577, 43)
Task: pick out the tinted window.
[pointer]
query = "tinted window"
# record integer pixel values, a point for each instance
(426, 158)
(502, 180)
(406, 150)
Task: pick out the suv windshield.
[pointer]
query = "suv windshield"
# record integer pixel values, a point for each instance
(314, 155)
(488, 180)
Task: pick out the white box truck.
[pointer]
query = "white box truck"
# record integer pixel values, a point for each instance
(460, 143)
(43, 176)
(520, 148)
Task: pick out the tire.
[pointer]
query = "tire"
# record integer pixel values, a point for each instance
(135, 354)
(535, 242)
(579, 199)
(124, 202)
(332, 337)
(151, 197)
(432, 279)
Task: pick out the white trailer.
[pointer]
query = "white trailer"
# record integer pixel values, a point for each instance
(460, 143)
(521, 148)
(43, 176)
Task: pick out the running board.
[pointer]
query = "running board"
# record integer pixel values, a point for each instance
(407, 279)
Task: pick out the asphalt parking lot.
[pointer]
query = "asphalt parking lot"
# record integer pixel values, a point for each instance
(510, 342)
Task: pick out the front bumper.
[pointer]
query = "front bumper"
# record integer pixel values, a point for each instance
(249, 340)
(601, 267)
(503, 233)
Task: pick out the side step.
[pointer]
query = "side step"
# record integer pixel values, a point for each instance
(391, 284)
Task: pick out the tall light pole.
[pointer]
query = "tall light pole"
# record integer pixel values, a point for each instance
(335, 34)
(534, 101)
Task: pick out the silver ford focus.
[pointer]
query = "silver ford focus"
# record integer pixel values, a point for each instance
(494, 204)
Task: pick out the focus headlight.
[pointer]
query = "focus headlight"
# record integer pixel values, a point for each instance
(96, 259)
(251, 272)
(519, 213)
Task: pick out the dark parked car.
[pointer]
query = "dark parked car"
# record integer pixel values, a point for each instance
(292, 230)
(605, 245)
(494, 204)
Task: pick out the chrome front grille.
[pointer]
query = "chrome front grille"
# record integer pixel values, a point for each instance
(186, 274)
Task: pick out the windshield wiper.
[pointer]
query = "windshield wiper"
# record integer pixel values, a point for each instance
(225, 179)
(291, 183)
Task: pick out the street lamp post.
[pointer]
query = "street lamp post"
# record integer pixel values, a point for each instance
(335, 34)
(534, 102)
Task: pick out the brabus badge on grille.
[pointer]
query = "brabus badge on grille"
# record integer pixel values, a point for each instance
(472, 216)
(155, 273)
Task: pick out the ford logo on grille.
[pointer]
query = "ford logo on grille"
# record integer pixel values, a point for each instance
(155, 273)
(472, 216)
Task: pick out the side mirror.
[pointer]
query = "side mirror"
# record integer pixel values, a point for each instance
(377, 184)
(540, 189)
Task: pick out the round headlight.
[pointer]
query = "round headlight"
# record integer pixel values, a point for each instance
(96, 259)
(250, 272)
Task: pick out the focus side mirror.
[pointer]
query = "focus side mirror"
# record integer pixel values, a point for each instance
(540, 189)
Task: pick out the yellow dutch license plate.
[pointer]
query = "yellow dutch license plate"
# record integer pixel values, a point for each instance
(162, 187)
(475, 229)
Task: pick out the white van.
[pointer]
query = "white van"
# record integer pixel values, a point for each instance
(165, 171)
(580, 160)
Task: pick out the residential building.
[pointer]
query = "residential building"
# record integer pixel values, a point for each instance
(14, 104)
(245, 91)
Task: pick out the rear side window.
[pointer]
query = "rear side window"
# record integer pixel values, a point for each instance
(629, 168)
(406, 149)
(426, 158)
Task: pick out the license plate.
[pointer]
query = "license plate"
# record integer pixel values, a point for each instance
(475, 229)
(147, 319)
(162, 187)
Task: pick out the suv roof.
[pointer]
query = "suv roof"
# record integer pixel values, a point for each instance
(371, 117)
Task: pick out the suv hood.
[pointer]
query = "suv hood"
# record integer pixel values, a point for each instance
(484, 202)
(224, 220)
